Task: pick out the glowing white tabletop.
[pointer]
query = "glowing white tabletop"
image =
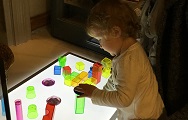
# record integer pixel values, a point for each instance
(66, 109)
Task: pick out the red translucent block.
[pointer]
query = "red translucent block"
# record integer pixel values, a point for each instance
(49, 112)
(97, 71)
(66, 70)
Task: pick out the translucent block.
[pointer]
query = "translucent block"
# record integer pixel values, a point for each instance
(49, 112)
(83, 76)
(80, 66)
(57, 70)
(80, 105)
(66, 70)
(68, 80)
(32, 111)
(30, 94)
(18, 107)
(91, 81)
(62, 60)
(106, 62)
(3, 107)
(76, 81)
(106, 72)
(74, 74)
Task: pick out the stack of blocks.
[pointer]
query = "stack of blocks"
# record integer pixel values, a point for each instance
(97, 71)
(107, 64)
(68, 78)
(66, 71)
(92, 77)
(73, 79)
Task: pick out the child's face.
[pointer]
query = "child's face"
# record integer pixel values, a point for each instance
(108, 42)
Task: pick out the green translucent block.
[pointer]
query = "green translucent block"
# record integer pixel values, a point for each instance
(80, 105)
(32, 111)
(74, 74)
(30, 94)
(62, 60)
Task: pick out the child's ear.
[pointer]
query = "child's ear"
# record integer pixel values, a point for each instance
(116, 31)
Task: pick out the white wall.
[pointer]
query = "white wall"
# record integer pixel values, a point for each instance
(38, 7)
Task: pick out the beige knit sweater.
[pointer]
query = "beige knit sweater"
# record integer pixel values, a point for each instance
(132, 87)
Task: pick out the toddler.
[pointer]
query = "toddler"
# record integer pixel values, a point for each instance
(132, 87)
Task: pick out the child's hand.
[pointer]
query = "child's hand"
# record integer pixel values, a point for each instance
(85, 89)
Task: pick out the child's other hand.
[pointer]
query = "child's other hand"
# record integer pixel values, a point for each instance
(86, 89)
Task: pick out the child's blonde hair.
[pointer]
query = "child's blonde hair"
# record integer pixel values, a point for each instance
(109, 13)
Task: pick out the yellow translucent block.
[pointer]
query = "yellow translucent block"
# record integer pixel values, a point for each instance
(106, 72)
(106, 62)
(68, 80)
(87, 82)
(91, 81)
(80, 66)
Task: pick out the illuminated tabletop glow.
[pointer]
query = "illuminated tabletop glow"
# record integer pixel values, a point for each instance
(34, 93)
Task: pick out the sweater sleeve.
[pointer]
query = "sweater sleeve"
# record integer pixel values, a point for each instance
(126, 80)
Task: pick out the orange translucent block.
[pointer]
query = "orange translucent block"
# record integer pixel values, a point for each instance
(76, 81)
(80, 78)
(49, 112)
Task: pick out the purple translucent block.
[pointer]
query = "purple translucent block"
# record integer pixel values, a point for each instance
(54, 100)
(48, 82)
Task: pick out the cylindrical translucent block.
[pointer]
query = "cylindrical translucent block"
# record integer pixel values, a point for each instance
(32, 111)
(3, 107)
(30, 94)
(18, 106)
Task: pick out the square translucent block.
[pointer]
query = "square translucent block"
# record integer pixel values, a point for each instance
(106, 62)
(80, 65)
